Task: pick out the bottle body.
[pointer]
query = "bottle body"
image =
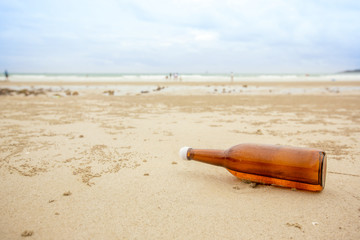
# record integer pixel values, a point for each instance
(301, 168)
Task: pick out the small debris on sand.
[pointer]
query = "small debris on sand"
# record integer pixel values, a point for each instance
(294, 225)
(51, 201)
(27, 233)
(68, 193)
(174, 162)
(109, 92)
(70, 93)
(26, 92)
(146, 174)
(158, 89)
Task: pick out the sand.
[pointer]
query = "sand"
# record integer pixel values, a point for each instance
(97, 165)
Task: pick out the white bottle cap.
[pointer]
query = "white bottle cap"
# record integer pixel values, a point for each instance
(183, 153)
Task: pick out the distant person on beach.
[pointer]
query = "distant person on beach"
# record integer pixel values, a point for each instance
(232, 76)
(6, 75)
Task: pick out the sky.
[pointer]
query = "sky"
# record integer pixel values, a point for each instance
(185, 36)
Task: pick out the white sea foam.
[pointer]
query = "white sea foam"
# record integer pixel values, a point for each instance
(181, 77)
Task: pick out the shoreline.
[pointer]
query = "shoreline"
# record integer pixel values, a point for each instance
(183, 88)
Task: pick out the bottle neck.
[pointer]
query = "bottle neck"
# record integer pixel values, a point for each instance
(210, 156)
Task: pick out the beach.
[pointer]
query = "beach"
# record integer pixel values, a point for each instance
(95, 160)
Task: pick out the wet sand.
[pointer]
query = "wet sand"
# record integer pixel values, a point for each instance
(96, 166)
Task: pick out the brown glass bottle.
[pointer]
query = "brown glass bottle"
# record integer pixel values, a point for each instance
(300, 168)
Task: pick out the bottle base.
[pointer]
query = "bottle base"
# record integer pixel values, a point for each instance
(276, 181)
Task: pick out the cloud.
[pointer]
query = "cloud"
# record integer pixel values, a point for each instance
(228, 35)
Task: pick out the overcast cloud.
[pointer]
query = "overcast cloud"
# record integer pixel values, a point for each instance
(108, 36)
